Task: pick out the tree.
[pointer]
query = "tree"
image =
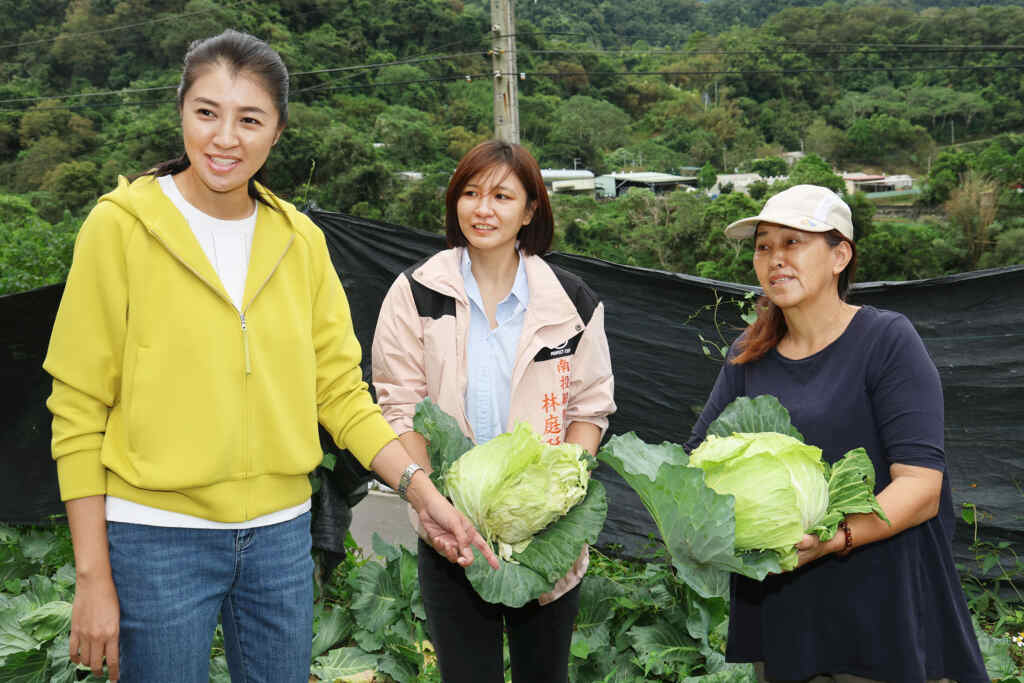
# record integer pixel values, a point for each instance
(80, 50)
(908, 251)
(946, 173)
(584, 128)
(407, 85)
(722, 258)
(972, 208)
(824, 140)
(770, 167)
(883, 135)
(33, 252)
(410, 137)
(74, 183)
(813, 170)
(707, 177)
(996, 163)
(757, 190)
(1008, 247)
(862, 212)
(419, 203)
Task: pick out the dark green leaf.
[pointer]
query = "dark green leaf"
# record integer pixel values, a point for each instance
(664, 648)
(589, 639)
(59, 664)
(343, 663)
(24, 667)
(377, 601)
(850, 491)
(408, 575)
(48, 621)
(598, 596)
(760, 414)
(549, 556)
(696, 524)
(399, 668)
(996, 653)
(369, 641)
(329, 461)
(13, 637)
(513, 584)
(384, 549)
(445, 441)
(333, 625)
(729, 673)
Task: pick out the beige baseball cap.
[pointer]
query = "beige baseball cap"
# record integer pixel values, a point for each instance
(804, 207)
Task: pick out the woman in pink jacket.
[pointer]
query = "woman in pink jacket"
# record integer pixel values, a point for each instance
(493, 334)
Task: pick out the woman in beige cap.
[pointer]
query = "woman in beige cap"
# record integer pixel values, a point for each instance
(877, 602)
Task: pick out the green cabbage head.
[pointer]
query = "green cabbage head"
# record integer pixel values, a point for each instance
(515, 485)
(778, 482)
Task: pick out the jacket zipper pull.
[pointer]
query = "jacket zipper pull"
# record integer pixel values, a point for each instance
(245, 342)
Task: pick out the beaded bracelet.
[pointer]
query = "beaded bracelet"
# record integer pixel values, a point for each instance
(848, 532)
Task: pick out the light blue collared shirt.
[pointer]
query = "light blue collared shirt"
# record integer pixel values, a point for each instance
(490, 354)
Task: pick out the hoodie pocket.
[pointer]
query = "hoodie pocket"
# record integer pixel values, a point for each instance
(183, 427)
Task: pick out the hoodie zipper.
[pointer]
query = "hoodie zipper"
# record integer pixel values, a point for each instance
(241, 314)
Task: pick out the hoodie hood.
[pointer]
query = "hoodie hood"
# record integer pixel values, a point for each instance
(145, 200)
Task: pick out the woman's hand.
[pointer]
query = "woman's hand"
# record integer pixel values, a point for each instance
(448, 530)
(811, 548)
(95, 625)
(95, 612)
(911, 498)
(572, 578)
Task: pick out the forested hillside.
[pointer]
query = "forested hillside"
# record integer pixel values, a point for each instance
(87, 92)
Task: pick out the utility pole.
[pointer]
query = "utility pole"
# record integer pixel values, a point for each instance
(503, 59)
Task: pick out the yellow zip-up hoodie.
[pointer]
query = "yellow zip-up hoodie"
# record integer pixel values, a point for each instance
(166, 395)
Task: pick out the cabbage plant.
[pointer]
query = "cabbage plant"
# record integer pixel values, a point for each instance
(778, 485)
(536, 503)
(744, 497)
(515, 485)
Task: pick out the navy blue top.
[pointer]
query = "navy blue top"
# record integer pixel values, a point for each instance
(891, 610)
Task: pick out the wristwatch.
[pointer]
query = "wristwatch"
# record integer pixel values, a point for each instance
(403, 482)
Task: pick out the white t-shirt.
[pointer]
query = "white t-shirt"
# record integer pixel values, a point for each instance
(227, 245)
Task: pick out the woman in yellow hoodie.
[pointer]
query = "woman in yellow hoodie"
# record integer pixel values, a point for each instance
(202, 335)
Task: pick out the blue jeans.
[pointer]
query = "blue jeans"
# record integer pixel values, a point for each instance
(172, 583)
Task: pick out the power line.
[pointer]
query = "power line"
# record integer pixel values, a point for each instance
(168, 17)
(323, 87)
(356, 67)
(123, 91)
(763, 72)
(381, 65)
(104, 105)
(704, 72)
(785, 50)
(456, 77)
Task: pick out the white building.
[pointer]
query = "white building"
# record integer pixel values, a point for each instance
(567, 180)
(874, 182)
(614, 184)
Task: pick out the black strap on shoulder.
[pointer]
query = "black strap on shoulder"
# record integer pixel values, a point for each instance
(429, 303)
(580, 294)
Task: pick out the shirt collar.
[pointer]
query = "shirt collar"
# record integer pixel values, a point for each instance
(520, 292)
